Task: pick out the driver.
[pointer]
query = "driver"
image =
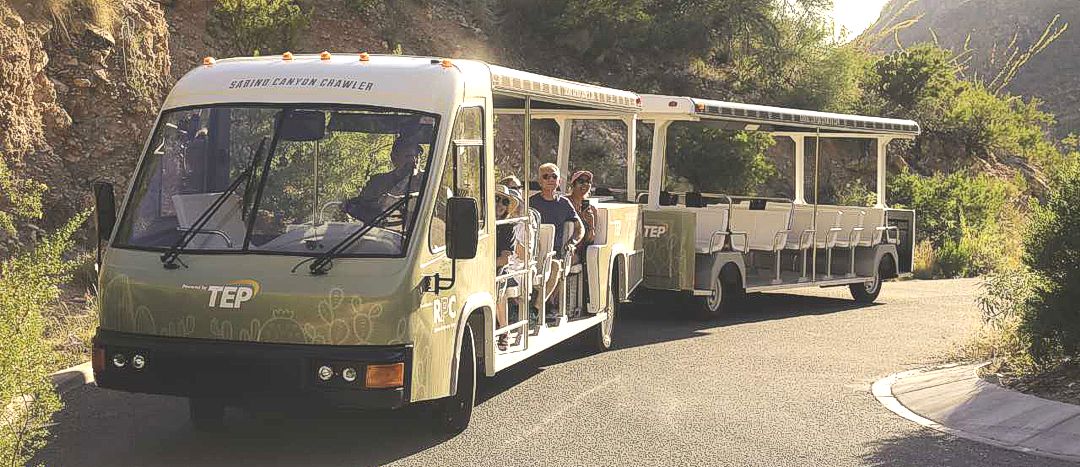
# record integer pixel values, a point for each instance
(382, 190)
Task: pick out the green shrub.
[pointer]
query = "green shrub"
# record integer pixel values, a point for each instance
(970, 221)
(1052, 251)
(1033, 307)
(718, 161)
(19, 197)
(257, 26)
(29, 283)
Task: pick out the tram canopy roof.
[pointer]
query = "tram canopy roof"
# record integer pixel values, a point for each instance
(511, 86)
(772, 119)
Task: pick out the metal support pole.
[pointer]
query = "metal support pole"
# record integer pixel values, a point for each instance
(882, 145)
(566, 132)
(656, 164)
(631, 158)
(817, 193)
(527, 152)
(800, 169)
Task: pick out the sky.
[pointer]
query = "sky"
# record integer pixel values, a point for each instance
(855, 15)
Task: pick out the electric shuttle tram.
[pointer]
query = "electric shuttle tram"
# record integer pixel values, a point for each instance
(716, 247)
(323, 228)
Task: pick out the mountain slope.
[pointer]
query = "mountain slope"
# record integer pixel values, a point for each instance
(1052, 75)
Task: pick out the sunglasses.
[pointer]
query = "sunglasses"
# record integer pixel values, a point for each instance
(551, 176)
(583, 181)
(504, 201)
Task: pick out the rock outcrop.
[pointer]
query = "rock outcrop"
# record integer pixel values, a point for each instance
(78, 98)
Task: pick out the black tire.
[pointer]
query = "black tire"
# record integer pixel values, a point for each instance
(602, 335)
(206, 414)
(452, 414)
(726, 297)
(867, 292)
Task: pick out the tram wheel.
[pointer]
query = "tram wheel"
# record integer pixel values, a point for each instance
(452, 414)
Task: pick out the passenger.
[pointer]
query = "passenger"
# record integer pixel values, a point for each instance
(382, 190)
(580, 187)
(555, 209)
(510, 249)
(512, 182)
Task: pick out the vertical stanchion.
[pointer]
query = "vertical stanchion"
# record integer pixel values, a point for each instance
(813, 237)
(527, 152)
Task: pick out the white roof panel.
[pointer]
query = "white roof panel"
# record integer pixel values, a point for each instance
(686, 108)
(386, 80)
(546, 88)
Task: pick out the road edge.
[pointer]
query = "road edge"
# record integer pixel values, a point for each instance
(72, 378)
(882, 391)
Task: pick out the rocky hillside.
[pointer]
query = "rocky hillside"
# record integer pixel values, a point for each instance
(1052, 75)
(77, 96)
(81, 80)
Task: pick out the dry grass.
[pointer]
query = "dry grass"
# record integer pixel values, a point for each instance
(69, 329)
(925, 260)
(104, 14)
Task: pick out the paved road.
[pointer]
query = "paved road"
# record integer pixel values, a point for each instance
(787, 383)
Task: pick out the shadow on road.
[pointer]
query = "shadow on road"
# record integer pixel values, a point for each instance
(99, 427)
(663, 319)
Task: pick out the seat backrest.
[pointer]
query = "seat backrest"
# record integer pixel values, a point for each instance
(600, 232)
(803, 220)
(227, 219)
(852, 218)
(546, 241)
(567, 232)
(761, 226)
(875, 217)
(709, 220)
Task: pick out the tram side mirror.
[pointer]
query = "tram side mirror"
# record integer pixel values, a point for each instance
(462, 227)
(104, 210)
(104, 214)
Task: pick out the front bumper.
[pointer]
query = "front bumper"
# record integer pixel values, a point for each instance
(247, 372)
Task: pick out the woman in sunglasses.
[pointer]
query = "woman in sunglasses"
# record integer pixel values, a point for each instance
(510, 247)
(581, 183)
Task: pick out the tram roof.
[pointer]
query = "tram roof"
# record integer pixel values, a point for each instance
(767, 118)
(558, 91)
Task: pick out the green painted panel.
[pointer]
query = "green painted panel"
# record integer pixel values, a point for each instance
(669, 250)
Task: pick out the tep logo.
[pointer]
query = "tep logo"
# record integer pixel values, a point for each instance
(233, 294)
(655, 231)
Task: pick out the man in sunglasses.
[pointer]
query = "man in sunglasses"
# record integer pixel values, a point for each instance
(556, 209)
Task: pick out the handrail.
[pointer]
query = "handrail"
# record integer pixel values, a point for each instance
(712, 239)
(322, 210)
(512, 220)
(220, 233)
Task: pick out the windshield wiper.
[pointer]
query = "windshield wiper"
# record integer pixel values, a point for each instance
(322, 263)
(171, 257)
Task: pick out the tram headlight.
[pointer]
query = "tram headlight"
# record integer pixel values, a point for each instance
(138, 362)
(349, 374)
(325, 373)
(119, 360)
